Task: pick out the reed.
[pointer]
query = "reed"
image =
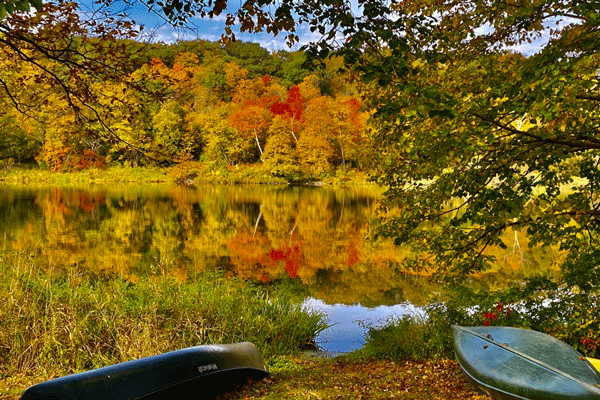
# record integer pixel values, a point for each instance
(56, 323)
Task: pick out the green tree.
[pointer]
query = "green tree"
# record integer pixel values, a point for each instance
(481, 140)
(12, 6)
(253, 57)
(292, 70)
(18, 141)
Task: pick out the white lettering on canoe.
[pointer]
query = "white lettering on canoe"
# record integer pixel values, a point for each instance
(208, 367)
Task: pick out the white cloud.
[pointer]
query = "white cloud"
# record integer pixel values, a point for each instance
(167, 34)
(219, 18)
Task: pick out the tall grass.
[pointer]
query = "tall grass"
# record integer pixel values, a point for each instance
(52, 324)
(409, 338)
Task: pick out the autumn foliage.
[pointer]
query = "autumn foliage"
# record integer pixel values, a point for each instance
(167, 105)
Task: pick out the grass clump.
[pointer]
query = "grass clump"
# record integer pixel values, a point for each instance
(408, 338)
(418, 337)
(52, 324)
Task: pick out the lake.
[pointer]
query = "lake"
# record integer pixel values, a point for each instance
(316, 240)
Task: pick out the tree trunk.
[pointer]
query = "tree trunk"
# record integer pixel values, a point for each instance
(258, 144)
(342, 150)
(292, 131)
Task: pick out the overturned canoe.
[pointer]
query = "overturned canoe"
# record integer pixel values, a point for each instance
(200, 370)
(511, 363)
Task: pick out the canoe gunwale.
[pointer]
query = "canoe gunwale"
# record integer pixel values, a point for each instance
(532, 359)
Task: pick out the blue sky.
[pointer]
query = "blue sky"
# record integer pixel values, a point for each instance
(203, 28)
(212, 29)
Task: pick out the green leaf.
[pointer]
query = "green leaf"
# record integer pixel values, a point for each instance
(22, 5)
(37, 4)
(2, 11)
(369, 76)
(433, 113)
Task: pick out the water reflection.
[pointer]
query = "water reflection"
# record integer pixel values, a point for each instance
(350, 323)
(316, 239)
(315, 236)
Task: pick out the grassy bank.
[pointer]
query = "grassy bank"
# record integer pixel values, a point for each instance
(57, 323)
(117, 174)
(188, 173)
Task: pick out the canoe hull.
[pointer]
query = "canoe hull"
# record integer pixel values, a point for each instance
(510, 363)
(165, 375)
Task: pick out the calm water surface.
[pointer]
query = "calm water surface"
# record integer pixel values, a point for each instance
(313, 239)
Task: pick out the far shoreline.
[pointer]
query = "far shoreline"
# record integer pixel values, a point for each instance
(200, 175)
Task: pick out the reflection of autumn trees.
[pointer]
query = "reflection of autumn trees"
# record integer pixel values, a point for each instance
(313, 236)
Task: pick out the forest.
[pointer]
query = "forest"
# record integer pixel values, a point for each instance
(483, 117)
(197, 105)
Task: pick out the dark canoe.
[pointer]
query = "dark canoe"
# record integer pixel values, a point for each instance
(202, 370)
(512, 363)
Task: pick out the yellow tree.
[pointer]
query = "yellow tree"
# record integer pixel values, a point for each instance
(309, 87)
(316, 145)
(167, 131)
(221, 143)
(280, 153)
(351, 136)
(68, 54)
(21, 135)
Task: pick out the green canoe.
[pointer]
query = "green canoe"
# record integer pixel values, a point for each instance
(196, 372)
(511, 363)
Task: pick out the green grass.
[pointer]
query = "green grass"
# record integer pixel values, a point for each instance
(409, 338)
(418, 337)
(540, 305)
(57, 323)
